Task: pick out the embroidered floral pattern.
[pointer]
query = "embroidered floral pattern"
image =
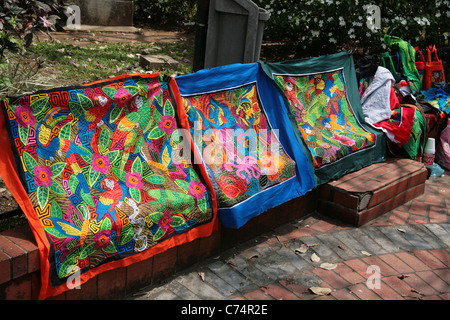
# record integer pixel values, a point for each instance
(43, 176)
(122, 97)
(196, 189)
(25, 116)
(100, 163)
(98, 168)
(133, 180)
(167, 124)
(102, 240)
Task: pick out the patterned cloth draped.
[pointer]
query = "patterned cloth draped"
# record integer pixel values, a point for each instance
(97, 176)
(325, 109)
(116, 171)
(252, 156)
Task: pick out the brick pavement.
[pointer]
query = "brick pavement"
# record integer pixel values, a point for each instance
(401, 255)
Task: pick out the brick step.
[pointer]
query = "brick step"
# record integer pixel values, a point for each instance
(361, 196)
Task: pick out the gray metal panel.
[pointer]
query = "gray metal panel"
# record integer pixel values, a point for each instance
(235, 30)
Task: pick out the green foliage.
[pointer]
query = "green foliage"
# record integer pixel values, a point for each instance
(20, 20)
(170, 13)
(318, 27)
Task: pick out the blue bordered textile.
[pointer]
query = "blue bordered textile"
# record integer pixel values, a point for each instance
(236, 113)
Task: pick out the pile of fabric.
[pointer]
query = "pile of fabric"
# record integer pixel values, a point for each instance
(406, 98)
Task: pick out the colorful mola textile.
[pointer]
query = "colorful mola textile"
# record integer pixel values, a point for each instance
(251, 153)
(325, 110)
(96, 178)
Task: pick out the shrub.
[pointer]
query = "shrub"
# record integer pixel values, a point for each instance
(317, 27)
(165, 13)
(20, 20)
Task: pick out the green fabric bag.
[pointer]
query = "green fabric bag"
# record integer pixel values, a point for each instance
(407, 59)
(418, 138)
(386, 61)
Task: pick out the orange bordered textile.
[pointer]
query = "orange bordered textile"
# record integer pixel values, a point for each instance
(95, 169)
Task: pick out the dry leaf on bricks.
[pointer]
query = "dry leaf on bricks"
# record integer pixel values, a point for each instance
(232, 263)
(328, 266)
(320, 291)
(315, 258)
(366, 253)
(304, 247)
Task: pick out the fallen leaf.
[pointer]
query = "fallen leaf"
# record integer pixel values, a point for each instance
(341, 247)
(232, 263)
(401, 230)
(366, 253)
(253, 256)
(320, 291)
(315, 258)
(415, 291)
(328, 266)
(401, 277)
(202, 275)
(302, 249)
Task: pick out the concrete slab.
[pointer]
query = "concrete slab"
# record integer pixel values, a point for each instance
(156, 61)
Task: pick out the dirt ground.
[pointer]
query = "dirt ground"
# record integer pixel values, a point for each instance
(112, 35)
(9, 209)
(7, 201)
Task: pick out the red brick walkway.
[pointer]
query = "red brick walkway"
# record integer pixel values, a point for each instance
(401, 255)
